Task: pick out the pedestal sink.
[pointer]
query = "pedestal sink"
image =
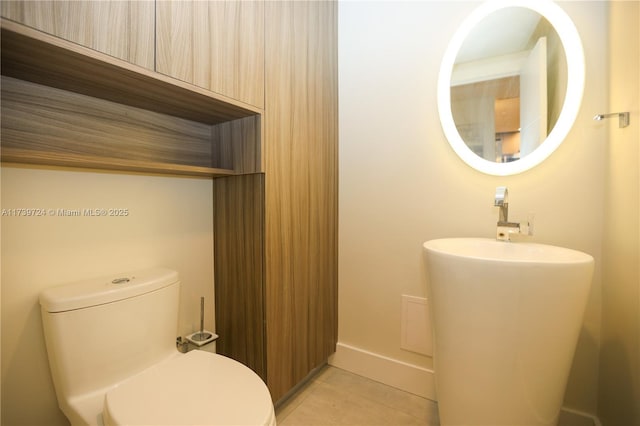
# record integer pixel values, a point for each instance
(506, 317)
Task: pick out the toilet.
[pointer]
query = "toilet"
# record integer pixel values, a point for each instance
(113, 358)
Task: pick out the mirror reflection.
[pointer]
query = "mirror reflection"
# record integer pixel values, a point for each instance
(508, 84)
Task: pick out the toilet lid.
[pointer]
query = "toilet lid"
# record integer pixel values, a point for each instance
(198, 388)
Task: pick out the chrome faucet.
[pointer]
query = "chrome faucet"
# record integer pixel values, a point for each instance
(505, 228)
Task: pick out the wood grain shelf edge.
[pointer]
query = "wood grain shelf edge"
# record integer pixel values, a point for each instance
(23, 156)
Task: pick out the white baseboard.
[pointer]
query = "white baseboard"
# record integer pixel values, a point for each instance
(412, 378)
(408, 377)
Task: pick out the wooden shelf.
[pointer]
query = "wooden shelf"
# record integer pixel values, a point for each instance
(25, 156)
(68, 105)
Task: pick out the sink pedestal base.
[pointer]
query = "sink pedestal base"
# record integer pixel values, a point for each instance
(505, 329)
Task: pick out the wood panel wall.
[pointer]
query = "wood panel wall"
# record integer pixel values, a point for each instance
(301, 165)
(124, 29)
(218, 45)
(239, 269)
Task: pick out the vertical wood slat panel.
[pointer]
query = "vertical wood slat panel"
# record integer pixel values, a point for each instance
(323, 164)
(278, 239)
(301, 189)
(239, 269)
(217, 45)
(123, 29)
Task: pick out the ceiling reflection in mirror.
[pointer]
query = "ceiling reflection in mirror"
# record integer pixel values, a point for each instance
(508, 84)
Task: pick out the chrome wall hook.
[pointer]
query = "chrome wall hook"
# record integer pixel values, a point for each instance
(623, 118)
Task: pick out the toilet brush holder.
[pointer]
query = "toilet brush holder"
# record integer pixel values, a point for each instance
(201, 338)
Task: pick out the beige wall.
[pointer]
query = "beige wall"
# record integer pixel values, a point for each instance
(619, 385)
(401, 184)
(169, 224)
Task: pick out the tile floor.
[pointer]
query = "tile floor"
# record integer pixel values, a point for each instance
(338, 397)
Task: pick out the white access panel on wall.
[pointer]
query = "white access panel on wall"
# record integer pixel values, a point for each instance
(416, 334)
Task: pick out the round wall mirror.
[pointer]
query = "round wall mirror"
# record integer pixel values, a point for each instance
(511, 84)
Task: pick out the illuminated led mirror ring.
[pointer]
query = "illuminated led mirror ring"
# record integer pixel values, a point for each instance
(575, 85)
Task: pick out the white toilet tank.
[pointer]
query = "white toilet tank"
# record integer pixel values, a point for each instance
(102, 331)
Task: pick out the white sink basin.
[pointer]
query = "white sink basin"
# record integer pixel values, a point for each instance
(506, 318)
(500, 251)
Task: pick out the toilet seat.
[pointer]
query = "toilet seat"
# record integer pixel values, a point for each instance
(198, 388)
